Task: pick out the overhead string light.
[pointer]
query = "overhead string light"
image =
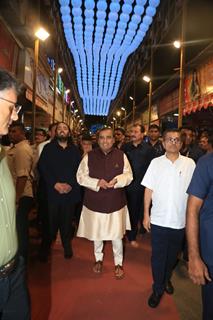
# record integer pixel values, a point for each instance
(101, 35)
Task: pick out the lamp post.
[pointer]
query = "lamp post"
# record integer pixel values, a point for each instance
(123, 109)
(180, 45)
(57, 70)
(177, 44)
(115, 122)
(149, 81)
(41, 34)
(118, 113)
(63, 104)
(133, 108)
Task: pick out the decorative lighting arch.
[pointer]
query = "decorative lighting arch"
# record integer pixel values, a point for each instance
(101, 35)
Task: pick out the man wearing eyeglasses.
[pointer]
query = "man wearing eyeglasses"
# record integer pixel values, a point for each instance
(14, 299)
(166, 182)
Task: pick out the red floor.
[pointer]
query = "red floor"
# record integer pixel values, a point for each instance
(68, 289)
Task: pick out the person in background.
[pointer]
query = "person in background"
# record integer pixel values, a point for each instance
(51, 134)
(139, 154)
(20, 161)
(104, 172)
(154, 140)
(119, 134)
(206, 143)
(166, 182)
(14, 297)
(42, 203)
(58, 165)
(199, 228)
(190, 148)
(86, 144)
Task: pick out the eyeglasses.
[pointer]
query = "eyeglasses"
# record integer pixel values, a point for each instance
(15, 107)
(173, 140)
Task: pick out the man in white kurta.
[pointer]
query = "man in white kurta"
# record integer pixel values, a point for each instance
(166, 181)
(104, 172)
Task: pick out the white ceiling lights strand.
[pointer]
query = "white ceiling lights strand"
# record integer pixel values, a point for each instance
(101, 35)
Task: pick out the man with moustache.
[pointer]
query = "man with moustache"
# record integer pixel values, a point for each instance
(139, 155)
(104, 172)
(58, 165)
(14, 299)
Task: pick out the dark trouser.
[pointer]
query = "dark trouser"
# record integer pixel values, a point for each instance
(135, 207)
(166, 244)
(60, 218)
(24, 207)
(43, 215)
(14, 298)
(207, 297)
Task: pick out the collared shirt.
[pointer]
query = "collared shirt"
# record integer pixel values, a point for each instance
(20, 162)
(169, 181)
(158, 148)
(201, 187)
(8, 238)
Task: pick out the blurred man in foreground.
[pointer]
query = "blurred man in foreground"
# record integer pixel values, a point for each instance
(14, 299)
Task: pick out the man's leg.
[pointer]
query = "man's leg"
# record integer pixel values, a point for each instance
(24, 207)
(174, 248)
(117, 246)
(18, 303)
(159, 241)
(53, 215)
(207, 298)
(134, 200)
(66, 214)
(98, 252)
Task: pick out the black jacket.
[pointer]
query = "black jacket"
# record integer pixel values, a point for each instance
(139, 158)
(60, 165)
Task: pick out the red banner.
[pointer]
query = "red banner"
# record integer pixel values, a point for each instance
(199, 88)
(8, 50)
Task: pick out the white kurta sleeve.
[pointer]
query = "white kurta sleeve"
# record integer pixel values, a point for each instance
(83, 177)
(126, 177)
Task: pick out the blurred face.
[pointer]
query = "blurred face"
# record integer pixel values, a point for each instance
(136, 135)
(154, 134)
(188, 136)
(39, 137)
(52, 132)
(8, 112)
(172, 143)
(119, 136)
(16, 135)
(62, 132)
(86, 146)
(204, 143)
(106, 140)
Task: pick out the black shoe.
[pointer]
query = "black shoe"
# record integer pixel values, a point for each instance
(154, 299)
(68, 253)
(169, 288)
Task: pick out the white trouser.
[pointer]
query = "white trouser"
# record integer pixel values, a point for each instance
(117, 247)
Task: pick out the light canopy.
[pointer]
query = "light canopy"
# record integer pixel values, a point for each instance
(101, 35)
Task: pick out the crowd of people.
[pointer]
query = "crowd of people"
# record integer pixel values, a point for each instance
(108, 186)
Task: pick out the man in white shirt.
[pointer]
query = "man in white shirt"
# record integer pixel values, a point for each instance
(166, 182)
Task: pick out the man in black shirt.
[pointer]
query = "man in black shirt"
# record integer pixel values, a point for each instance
(139, 154)
(154, 141)
(190, 148)
(58, 165)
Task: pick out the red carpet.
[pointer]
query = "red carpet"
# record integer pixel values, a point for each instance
(69, 290)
